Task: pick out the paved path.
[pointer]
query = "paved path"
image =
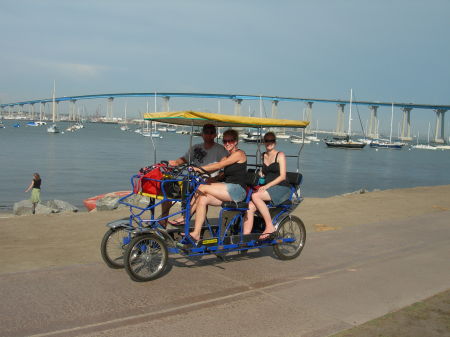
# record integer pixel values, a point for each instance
(342, 278)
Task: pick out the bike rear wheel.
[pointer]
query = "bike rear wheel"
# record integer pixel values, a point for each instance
(113, 247)
(291, 228)
(145, 257)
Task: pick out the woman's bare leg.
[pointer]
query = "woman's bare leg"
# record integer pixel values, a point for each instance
(214, 195)
(259, 199)
(249, 218)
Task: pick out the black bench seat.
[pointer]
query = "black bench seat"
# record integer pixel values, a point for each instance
(234, 204)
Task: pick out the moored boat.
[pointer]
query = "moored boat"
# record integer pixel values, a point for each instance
(344, 144)
(347, 142)
(299, 140)
(385, 144)
(53, 129)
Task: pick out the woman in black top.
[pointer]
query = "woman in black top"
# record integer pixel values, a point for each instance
(36, 190)
(276, 188)
(232, 189)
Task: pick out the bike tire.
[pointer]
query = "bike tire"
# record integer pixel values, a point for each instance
(145, 257)
(113, 246)
(293, 228)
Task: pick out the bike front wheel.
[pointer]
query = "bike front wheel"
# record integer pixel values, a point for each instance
(145, 257)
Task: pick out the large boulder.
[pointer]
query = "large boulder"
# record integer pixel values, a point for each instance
(107, 203)
(110, 202)
(61, 206)
(25, 207)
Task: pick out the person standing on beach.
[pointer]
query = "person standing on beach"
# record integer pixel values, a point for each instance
(36, 190)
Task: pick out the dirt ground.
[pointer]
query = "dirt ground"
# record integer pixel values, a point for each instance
(71, 239)
(429, 318)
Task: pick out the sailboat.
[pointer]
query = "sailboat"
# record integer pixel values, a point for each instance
(125, 127)
(147, 132)
(313, 138)
(346, 143)
(425, 146)
(53, 128)
(384, 144)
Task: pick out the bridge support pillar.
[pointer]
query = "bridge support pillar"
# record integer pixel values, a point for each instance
(275, 109)
(20, 109)
(42, 111)
(340, 120)
(109, 109)
(308, 116)
(32, 111)
(56, 111)
(237, 106)
(439, 136)
(72, 111)
(166, 106)
(373, 131)
(406, 125)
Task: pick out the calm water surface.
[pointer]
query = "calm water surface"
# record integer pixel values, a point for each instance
(101, 158)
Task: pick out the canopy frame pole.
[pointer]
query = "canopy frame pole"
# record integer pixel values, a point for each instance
(258, 150)
(153, 143)
(190, 143)
(300, 150)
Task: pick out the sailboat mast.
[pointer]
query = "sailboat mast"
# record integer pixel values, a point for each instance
(126, 113)
(392, 119)
(54, 102)
(350, 114)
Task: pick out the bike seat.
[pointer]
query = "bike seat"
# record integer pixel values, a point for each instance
(234, 204)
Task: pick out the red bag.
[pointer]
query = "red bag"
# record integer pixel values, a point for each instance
(149, 179)
(152, 186)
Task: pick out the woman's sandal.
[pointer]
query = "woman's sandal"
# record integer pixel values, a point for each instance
(267, 236)
(176, 222)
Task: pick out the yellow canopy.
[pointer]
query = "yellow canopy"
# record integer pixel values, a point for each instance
(200, 118)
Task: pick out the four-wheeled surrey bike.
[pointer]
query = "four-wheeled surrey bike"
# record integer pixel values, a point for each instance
(141, 245)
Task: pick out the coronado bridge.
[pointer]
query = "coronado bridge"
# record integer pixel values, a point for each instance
(440, 110)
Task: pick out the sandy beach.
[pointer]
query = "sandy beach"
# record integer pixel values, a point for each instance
(74, 238)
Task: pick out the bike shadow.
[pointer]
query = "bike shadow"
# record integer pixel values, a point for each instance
(218, 259)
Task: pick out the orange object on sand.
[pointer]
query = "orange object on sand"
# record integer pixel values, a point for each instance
(91, 203)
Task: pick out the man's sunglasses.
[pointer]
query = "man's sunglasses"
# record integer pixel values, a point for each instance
(209, 132)
(269, 141)
(226, 141)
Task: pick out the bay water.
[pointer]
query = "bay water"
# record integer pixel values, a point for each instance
(101, 158)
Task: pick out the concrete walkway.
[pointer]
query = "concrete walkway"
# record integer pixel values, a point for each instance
(342, 278)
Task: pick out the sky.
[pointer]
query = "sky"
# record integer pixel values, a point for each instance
(385, 50)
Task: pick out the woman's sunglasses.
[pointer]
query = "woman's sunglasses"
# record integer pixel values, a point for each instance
(269, 141)
(226, 141)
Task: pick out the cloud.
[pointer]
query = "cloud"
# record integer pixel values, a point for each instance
(80, 70)
(68, 69)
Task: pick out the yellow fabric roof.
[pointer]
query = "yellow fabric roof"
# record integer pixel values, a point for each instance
(200, 118)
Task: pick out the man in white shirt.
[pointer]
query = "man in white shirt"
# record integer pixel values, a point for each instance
(205, 153)
(201, 154)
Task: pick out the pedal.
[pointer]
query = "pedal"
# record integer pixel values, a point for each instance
(208, 242)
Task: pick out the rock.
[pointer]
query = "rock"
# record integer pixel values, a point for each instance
(42, 209)
(107, 203)
(24, 207)
(61, 206)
